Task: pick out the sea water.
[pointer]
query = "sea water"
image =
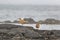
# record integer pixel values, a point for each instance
(37, 12)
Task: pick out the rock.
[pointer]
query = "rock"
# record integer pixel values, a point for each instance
(31, 34)
(29, 20)
(18, 37)
(57, 33)
(8, 21)
(50, 21)
(4, 31)
(9, 26)
(17, 32)
(15, 21)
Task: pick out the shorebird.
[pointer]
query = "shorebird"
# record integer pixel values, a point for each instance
(22, 21)
(38, 25)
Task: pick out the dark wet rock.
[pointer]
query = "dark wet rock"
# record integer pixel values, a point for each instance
(30, 20)
(31, 28)
(23, 32)
(18, 37)
(17, 32)
(57, 33)
(50, 21)
(31, 34)
(34, 39)
(4, 31)
(15, 21)
(8, 26)
(8, 21)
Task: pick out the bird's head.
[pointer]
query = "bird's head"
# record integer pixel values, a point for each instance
(21, 18)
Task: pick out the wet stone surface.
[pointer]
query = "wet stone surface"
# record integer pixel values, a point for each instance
(15, 32)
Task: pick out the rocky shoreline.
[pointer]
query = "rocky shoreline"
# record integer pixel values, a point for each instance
(32, 21)
(17, 32)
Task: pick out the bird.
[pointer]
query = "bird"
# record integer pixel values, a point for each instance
(22, 21)
(38, 25)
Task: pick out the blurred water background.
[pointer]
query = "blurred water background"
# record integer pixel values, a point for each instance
(37, 12)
